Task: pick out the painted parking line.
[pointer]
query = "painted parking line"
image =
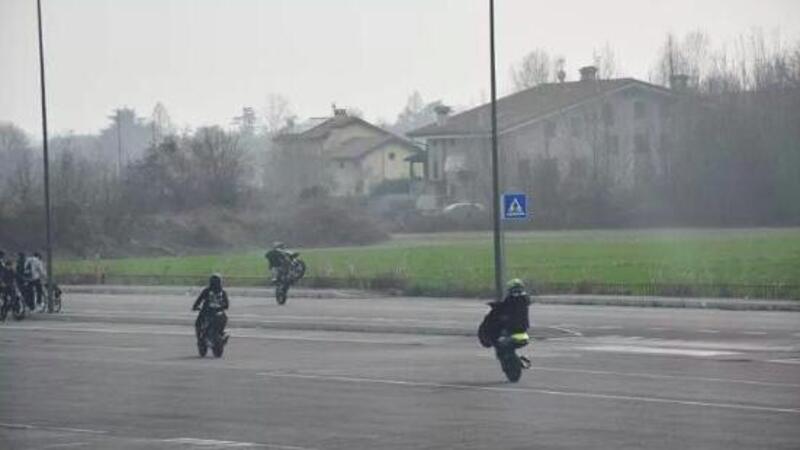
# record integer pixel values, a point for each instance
(651, 350)
(785, 361)
(533, 391)
(755, 333)
(658, 376)
(180, 441)
(708, 331)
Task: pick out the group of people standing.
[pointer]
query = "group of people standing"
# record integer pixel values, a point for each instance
(27, 275)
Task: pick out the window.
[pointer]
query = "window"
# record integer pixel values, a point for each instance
(612, 144)
(435, 169)
(391, 156)
(608, 114)
(641, 143)
(575, 126)
(639, 109)
(549, 129)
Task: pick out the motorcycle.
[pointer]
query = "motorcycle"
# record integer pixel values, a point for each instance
(505, 344)
(288, 277)
(210, 331)
(12, 301)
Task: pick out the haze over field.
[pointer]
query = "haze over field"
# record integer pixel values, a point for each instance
(205, 60)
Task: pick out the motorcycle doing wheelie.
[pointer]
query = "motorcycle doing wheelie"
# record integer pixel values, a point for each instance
(291, 273)
(491, 333)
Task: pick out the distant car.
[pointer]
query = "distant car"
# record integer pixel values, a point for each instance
(464, 210)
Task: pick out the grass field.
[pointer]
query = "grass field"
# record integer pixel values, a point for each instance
(738, 262)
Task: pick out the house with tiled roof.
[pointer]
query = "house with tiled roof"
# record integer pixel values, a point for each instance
(617, 129)
(344, 155)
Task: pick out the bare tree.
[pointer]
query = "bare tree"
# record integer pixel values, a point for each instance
(606, 62)
(277, 113)
(534, 69)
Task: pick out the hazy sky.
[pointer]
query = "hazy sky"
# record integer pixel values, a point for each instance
(205, 59)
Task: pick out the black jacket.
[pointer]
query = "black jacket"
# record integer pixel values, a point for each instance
(210, 299)
(278, 258)
(511, 314)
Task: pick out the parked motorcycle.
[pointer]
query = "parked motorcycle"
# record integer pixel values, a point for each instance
(505, 344)
(210, 331)
(12, 301)
(288, 277)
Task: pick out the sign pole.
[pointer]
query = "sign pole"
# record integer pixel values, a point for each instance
(498, 230)
(46, 158)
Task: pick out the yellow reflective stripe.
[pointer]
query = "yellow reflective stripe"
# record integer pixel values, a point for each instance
(520, 336)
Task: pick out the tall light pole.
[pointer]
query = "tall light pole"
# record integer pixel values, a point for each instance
(46, 159)
(498, 230)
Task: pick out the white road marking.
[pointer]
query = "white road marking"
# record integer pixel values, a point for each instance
(573, 332)
(755, 333)
(606, 327)
(66, 445)
(194, 442)
(708, 331)
(24, 426)
(785, 361)
(662, 376)
(213, 443)
(641, 399)
(235, 333)
(648, 350)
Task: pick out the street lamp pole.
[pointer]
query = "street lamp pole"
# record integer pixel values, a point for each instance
(498, 230)
(46, 159)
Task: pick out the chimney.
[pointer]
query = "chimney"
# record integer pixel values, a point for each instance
(442, 112)
(588, 73)
(338, 112)
(679, 82)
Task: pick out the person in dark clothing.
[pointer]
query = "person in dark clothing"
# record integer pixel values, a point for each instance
(279, 260)
(507, 324)
(210, 301)
(7, 284)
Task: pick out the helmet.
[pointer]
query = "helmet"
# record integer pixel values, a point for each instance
(515, 286)
(215, 281)
(278, 244)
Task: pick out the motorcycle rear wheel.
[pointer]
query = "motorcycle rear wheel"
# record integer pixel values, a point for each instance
(18, 309)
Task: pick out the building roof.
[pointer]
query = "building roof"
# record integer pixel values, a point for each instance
(320, 127)
(358, 147)
(528, 105)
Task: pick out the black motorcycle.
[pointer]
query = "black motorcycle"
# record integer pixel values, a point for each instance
(490, 334)
(12, 301)
(289, 276)
(210, 331)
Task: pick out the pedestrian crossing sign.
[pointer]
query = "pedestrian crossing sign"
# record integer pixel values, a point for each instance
(515, 206)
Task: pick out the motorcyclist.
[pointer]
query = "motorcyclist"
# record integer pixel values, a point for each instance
(508, 321)
(211, 300)
(7, 282)
(280, 259)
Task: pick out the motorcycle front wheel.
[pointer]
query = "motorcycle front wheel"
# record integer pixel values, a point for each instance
(512, 367)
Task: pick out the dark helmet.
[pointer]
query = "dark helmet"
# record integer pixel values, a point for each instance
(515, 287)
(215, 282)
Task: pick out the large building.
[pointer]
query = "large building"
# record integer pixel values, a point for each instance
(618, 129)
(343, 155)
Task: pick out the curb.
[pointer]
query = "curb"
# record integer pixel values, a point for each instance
(233, 322)
(729, 304)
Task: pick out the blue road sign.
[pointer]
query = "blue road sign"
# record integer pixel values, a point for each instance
(515, 206)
